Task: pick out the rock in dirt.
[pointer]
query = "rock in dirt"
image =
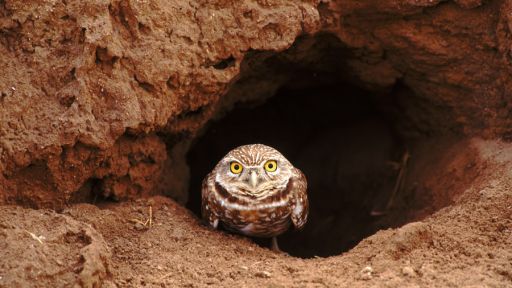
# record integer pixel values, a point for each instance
(408, 271)
(263, 274)
(366, 273)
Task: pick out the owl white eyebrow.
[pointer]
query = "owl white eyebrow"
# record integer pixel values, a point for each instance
(253, 166)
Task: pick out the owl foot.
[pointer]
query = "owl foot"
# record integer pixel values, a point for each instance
(274, 246)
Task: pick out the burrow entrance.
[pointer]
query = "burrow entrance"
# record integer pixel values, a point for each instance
(354, 146)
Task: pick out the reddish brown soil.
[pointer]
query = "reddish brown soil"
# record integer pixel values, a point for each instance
(102, 100)
(110, 73)
(46, 249)
(467, 244)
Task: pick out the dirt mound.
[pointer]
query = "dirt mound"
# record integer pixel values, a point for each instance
(45, 249)
(465, 245)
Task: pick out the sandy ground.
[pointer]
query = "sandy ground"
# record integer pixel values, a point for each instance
(466, 244)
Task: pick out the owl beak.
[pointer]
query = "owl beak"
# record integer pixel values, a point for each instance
(253, 179)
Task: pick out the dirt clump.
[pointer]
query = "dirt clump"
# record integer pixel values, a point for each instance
(45, 249)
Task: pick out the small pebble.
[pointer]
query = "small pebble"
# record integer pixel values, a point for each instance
(139, 226)
(366, 273)
(408, 271)
(244, 268)
(263, 274)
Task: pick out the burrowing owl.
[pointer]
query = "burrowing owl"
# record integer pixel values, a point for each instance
(255, 191)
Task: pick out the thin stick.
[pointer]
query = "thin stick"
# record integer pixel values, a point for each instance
(34, 236)
(136, 221)
(400, 180)
(150, 216)
(148, 223)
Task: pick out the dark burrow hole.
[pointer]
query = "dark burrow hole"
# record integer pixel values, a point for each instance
(349, 142)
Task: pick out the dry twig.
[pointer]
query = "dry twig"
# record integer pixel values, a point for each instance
(148, 223)
(35, 237)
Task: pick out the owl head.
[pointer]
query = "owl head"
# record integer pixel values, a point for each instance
(253, 170)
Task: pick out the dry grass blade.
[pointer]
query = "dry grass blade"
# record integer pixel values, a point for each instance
(148, 223)
(34, 236)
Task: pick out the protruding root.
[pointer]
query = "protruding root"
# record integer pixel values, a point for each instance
(400, 180)
(398, 187)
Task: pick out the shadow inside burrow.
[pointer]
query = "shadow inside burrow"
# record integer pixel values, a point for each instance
(339, 136)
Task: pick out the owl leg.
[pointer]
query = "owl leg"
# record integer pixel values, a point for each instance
(274, 246)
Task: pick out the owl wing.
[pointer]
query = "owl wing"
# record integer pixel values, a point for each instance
(208, 209)
(299, 204)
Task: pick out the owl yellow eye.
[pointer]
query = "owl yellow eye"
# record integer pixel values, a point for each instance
(236, 168)
(270, 166)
